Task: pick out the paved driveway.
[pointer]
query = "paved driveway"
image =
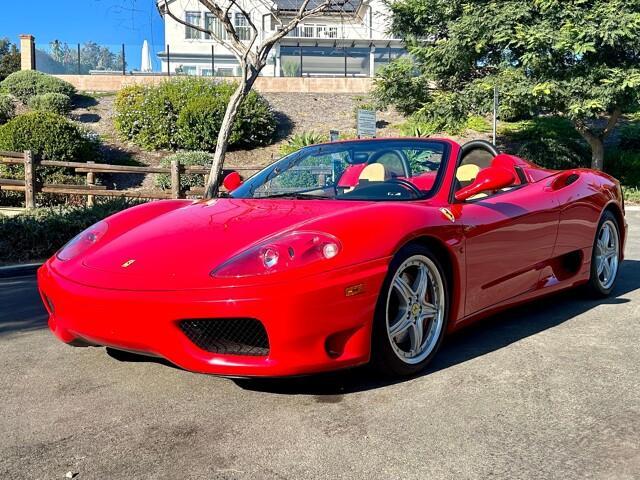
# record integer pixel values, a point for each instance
(549, 390)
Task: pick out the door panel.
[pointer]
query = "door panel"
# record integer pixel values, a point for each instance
(579, 215)
(507, 237)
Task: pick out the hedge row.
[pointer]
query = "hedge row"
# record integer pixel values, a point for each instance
(39, 234)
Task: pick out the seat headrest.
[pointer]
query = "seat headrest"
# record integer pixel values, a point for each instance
(467, 173)
(373, 173)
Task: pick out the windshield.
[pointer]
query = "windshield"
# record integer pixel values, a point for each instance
(359, 170)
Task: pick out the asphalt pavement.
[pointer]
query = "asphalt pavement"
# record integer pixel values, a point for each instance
(547, 390)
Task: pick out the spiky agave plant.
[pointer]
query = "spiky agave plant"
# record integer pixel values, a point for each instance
(301, 140)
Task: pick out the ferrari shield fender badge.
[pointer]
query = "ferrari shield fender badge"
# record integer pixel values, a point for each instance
(447, 213)
(128, 263)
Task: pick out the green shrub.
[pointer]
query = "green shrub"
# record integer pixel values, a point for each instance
(414, 127)
(48, 135)
(255, 124)
(419, 126)
(187, 113)
(631, 194)
(128, 107)
(150, 122)
(199, 123)
(555, 154)
(630, 136)
(51, 102)
(200, 159)
(558, 128)
(7, 108)
(397, 84)
(28, 83)
(301, 140)
(479, 124)
(625, 166)
(39, 234)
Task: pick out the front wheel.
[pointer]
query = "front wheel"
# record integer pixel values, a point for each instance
(411, 314)
(605, 259)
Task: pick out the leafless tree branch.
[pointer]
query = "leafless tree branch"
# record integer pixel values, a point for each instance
(198, 28)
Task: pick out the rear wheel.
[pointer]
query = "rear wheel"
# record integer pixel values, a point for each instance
(605, 259)
(411, 314)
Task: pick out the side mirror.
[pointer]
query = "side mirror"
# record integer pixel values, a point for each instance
(232, 181)
(492, 178)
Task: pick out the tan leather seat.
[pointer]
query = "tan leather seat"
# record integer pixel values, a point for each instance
(373, 173)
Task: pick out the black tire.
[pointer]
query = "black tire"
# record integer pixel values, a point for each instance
(594, 286)
(383, 357)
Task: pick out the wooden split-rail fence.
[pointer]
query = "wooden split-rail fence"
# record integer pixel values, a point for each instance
(30, 186)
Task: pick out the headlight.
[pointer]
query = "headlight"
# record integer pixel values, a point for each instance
(83, 241)
(292, 250)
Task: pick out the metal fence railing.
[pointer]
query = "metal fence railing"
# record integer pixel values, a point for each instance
(340, 58)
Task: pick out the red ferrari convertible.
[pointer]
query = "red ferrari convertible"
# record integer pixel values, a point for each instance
(335, 256)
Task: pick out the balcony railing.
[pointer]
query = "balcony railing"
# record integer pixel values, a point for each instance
(314, 31)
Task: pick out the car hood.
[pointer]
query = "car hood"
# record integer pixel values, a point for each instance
(179, 248)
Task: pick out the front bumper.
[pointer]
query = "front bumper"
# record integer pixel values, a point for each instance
(304, 320)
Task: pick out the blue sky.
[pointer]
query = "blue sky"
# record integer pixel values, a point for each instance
(102, 21)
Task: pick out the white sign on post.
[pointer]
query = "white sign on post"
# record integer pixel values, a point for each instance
(366, 123)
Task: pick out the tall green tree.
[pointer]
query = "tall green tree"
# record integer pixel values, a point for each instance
(576, 58)
(9, 58)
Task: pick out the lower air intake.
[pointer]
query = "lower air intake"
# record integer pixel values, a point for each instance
(228, 336)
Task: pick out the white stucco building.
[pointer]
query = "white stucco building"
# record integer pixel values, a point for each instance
(351, 42)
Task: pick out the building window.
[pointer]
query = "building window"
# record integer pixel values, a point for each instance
(242, 27)
(214, 25)
(239, 22)
(194, 19)
(189, 70)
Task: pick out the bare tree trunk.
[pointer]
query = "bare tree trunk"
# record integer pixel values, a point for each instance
(595, 141)
(222, 143)
(597, 154)
(251, 54)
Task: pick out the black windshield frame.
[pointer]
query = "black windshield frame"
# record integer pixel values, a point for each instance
(247, 189)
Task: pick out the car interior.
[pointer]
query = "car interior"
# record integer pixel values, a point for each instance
(474, 157)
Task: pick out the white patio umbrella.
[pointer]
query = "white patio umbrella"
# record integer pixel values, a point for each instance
(145, 65)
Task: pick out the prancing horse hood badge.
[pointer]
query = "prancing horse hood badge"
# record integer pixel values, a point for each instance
(447, 213)
(128, 263)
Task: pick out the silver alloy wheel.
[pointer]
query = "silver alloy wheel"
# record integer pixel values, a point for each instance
(607, 254)
(415, 309)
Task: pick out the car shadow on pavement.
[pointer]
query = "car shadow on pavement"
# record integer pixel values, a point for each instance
(483, 337)
(21, 309)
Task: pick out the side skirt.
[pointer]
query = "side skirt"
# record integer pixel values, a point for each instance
(561, 273)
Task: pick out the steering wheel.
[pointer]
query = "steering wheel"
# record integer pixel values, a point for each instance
(479, 145)
(406, 184)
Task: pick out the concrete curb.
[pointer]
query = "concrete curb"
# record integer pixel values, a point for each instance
(19, 270)
(632, 208)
